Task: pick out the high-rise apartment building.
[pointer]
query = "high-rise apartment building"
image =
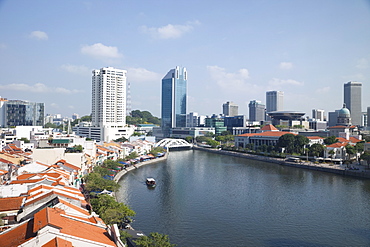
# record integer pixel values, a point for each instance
(21, 113)
(368, 116)
(318, 114)
(256, 111)
(229, 109)
(352, 99)
(174, 87)
(109, 97)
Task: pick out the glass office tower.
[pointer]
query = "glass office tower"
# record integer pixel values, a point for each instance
(23, 113)
(174, 100)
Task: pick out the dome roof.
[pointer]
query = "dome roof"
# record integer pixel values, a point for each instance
(344, 112)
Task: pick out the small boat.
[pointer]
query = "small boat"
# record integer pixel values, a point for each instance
(150, 182)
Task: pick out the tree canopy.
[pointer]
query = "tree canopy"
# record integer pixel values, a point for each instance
(330, 140)
(142, 117)
(154, 239)
(293, 143)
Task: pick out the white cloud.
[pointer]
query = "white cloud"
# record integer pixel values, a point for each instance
(142, 75)
(280, 82)
(230, 81)
(362, 63)
(323, 90)
(285, 65)
(101, 51)
(37, 88)
(75, 69)
(39, 35)
(169, 31)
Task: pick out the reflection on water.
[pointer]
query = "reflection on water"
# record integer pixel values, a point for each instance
(205, 199)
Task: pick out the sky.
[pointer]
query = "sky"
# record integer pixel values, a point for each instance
(233, 51)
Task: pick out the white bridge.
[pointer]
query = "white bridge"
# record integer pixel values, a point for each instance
(174, 143)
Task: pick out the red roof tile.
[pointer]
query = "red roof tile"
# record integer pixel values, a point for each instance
(58, 242)
(11, 203)
(269, 127)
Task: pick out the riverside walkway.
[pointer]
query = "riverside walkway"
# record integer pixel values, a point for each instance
(138, 165)
(357, 171)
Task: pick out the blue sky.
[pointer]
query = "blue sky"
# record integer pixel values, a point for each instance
(233, 50)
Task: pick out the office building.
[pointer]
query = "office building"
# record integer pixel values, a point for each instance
(256, 111)
(109, 97)
(274, 102)
(174, 87)
(352, 99)
(20, 113)
(318, 114)
(229, 109)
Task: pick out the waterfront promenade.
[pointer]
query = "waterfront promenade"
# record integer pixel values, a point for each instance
(138, 165)
(359, 171)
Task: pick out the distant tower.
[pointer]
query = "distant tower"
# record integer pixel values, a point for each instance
(352, 99)
(256, 111)
(229, 109)
(318, 114)
(368, 116)
(174, 87)
(274, 101)
(344, 117)
(109, 97)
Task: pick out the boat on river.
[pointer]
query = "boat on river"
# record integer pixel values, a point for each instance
(150, 182)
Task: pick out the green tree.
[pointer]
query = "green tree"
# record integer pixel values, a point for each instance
(25, 140)
(316, 150)
(95, 182)
(157, 150)
(121, 139)
(189, 139)
(87, 118)
(132, 155)
(78, 148)
(202, 138)
(154, 240)
(210, 134)
(299, 143)
(360, 146)
(330, 140)
(213, 143)
(366, 156)
(350, 150)
(286, 141)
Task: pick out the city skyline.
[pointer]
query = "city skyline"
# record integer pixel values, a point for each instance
(236, 51)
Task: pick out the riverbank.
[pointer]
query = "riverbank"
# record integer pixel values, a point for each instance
(324, 167)
(138, 165)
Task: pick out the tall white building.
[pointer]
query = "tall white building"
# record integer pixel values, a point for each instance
(109, 97)
(274, 101)
(108, 108)
(230, 109)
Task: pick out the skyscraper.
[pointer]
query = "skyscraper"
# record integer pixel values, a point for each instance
(229, 109)
(109, 97)
(352, 99)
(274, 101)
(21, 113)
(256, 111)
(174, 100)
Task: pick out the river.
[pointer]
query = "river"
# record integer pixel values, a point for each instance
(206, 199)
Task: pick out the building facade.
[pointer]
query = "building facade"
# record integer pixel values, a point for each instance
(274, 101)
(318, 114)
(256, 111)
(21, 113)
(174, 89)
(229, 109)
(353, 101)
(109, 97)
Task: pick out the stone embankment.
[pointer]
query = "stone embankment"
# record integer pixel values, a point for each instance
(354, 170)
(136, 166)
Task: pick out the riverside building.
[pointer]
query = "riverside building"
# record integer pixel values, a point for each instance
(108, 106)
(174, 89)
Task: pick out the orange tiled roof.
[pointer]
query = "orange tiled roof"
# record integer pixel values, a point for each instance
(314, 137)
(11, 203)
(51, 216)
(337, 145)
(79, 209)
(269, 127)
(268, 133)
(17, 235)
(58, 242)
(65, 163)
